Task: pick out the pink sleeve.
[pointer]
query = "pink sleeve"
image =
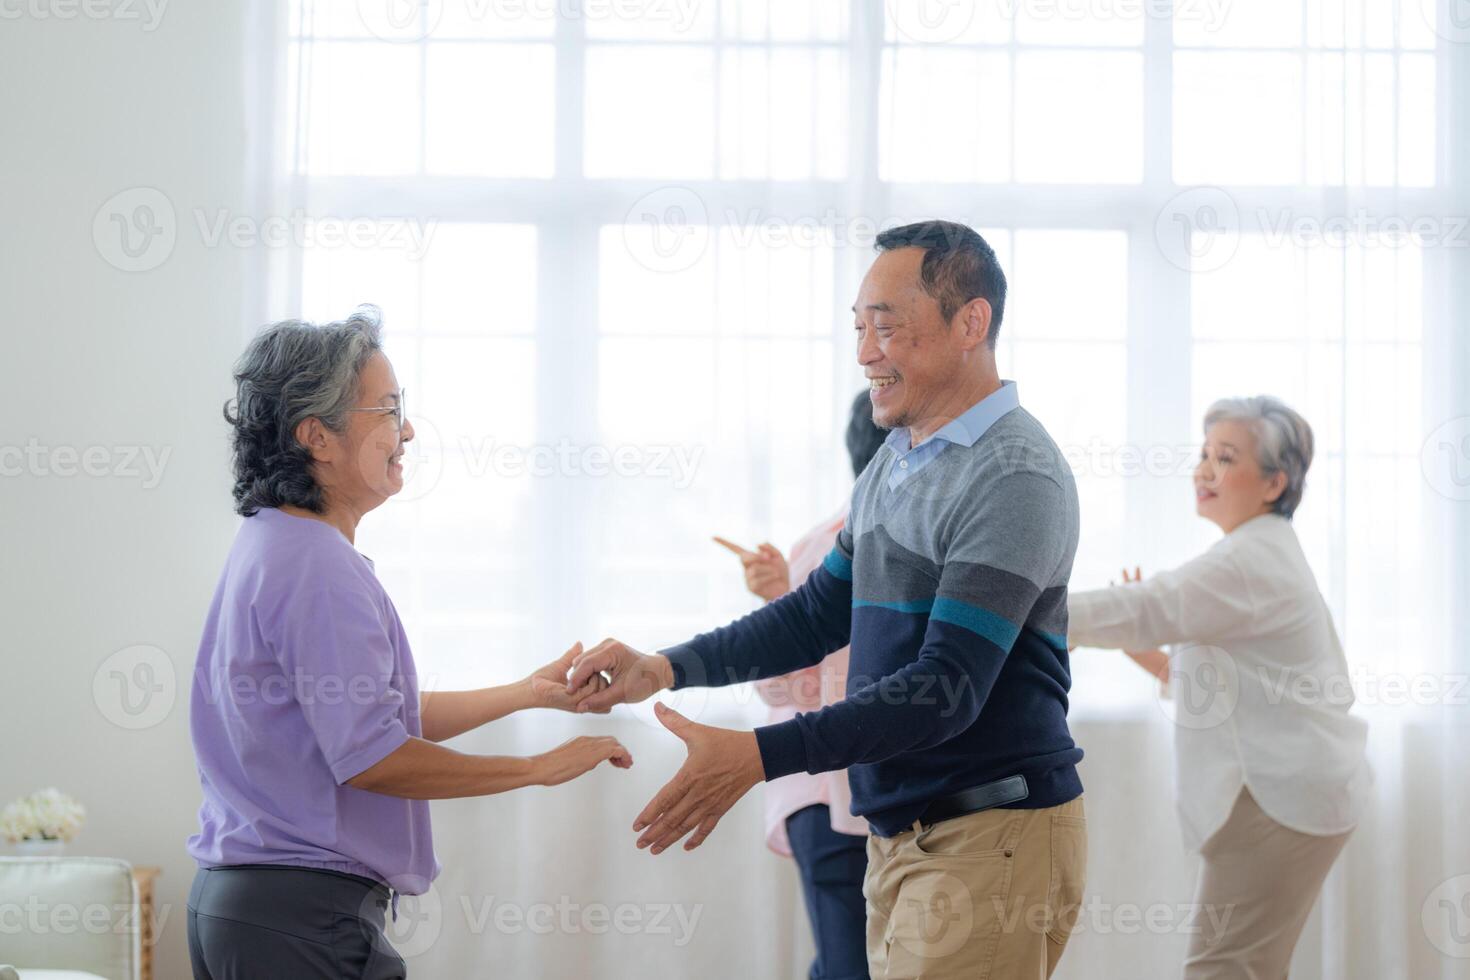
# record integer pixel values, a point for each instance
(802, 688)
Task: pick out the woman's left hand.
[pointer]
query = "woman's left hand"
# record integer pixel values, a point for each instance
(549, 684)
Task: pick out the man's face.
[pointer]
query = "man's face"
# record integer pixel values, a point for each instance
(910, 356)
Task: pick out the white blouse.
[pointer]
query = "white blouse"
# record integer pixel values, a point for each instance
(1259, 684)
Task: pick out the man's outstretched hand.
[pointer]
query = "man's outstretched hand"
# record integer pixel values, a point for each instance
(722, 767)
(631, 676)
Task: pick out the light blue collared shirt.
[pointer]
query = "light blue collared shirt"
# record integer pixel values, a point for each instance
(963, 431)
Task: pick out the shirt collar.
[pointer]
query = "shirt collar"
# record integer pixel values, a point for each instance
(1261, 522)
(971, 424)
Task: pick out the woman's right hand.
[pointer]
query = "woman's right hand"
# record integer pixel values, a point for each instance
(1156, 662)
(579, 755)
(766, 572)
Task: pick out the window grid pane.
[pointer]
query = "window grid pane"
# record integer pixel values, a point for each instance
(691, 360)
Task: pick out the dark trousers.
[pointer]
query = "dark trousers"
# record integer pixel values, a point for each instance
(270, 921)
(832, 866)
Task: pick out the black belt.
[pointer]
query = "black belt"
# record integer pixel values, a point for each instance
(359, 879)
(1011, 789)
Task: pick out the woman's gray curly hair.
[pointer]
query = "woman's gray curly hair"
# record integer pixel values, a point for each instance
(294, 371)
(1283, 441)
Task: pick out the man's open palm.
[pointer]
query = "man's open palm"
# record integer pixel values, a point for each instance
(722, 767)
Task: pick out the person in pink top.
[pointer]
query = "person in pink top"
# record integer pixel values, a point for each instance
(809, 818)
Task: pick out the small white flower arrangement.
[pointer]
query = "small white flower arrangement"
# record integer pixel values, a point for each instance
(47, 815)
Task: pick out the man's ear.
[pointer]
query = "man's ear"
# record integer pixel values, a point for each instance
(974, 320)
(314, 437)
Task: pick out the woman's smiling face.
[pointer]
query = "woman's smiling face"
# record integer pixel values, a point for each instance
(373, 440)
(1229, 486)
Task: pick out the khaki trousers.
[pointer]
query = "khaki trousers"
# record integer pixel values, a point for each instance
(1256, 888)
(990, 894)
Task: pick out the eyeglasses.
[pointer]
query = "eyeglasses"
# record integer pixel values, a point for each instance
(397, 410)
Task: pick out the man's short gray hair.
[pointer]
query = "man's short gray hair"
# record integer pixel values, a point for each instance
(1283, 441)
(293, 371)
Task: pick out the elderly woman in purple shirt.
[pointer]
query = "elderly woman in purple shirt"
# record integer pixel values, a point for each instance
(317, 752)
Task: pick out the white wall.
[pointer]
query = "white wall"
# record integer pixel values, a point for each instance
(93, 356)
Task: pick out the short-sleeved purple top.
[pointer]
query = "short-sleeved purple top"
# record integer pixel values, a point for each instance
(304, 679)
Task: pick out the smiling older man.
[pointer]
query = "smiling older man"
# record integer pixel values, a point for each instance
(950, 582)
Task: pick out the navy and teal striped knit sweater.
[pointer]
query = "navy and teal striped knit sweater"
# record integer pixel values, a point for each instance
(951, 588)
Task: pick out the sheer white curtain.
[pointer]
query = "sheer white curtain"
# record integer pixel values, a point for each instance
(615, 244)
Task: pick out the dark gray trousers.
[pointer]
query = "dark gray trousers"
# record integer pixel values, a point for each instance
(270, 921)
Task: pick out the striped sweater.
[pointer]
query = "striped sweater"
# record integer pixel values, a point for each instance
(951, 588)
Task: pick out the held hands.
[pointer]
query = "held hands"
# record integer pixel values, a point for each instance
(625, 676)
(549, 688)
(766, 572)
(722, 767)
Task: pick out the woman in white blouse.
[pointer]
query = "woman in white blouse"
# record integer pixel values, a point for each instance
(1271, 769)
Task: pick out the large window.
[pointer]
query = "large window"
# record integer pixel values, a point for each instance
(616, 253)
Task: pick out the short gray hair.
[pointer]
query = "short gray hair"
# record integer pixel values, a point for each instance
(1283, 441)
(293, 371)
